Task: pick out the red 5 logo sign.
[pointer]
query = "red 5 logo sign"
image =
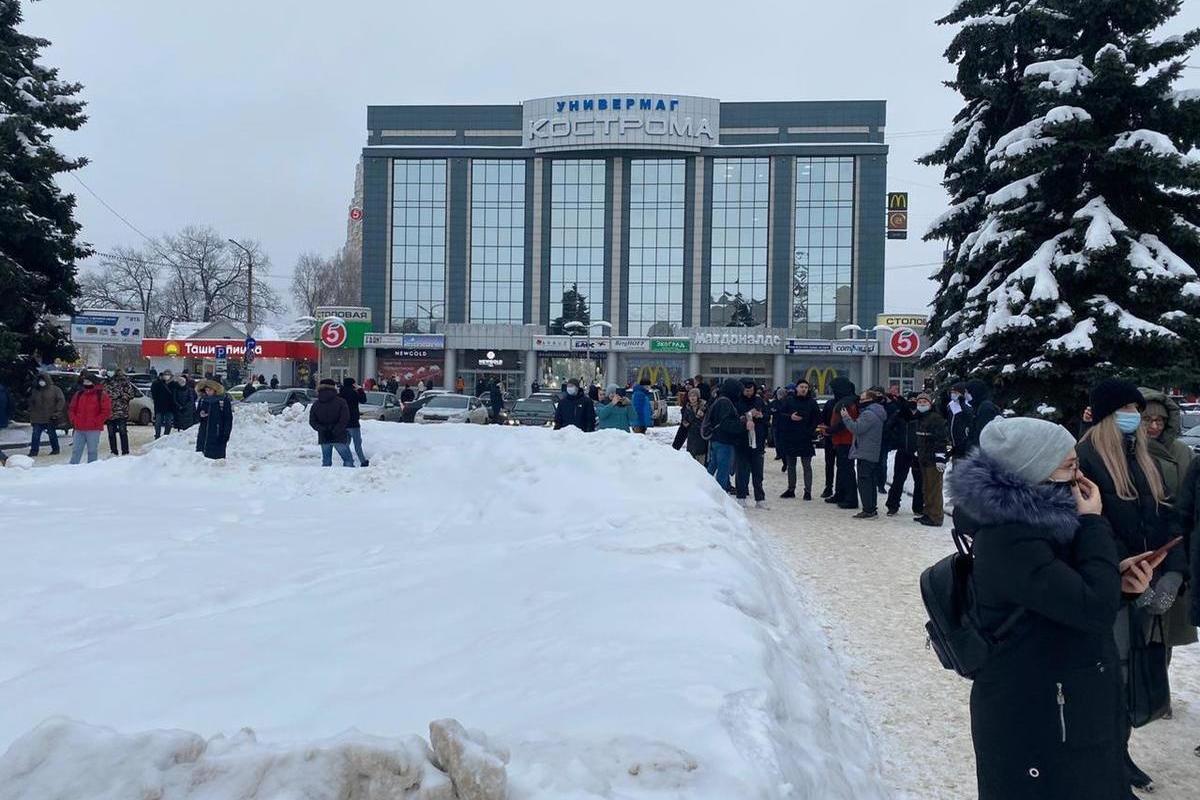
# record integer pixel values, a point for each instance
(906, 342)
(333, 333)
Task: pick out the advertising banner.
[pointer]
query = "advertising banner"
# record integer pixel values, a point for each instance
(341, 327)
(410, 367)
(234, 348)
(107, 326)
(670, 346)
(642, 121)
(836, 347)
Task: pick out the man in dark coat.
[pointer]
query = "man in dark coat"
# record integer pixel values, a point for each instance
(961, 418)
(797, 418)
(163, 397)
(933, 444)
(47, 410)
(724, 428)
(408, 395)
(355, 396)
(575, 409)
(329, 416)
(185, 402)
(497, 401)
(904, 425)
(845, 493)
(978, 395)
(215, 412)
(1047, 708)
(750, 447)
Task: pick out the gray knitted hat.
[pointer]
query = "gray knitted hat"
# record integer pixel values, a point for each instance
(1031, 449)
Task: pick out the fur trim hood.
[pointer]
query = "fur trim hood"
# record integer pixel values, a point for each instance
(991, 495)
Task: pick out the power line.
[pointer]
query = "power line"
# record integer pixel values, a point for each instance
(115, 213)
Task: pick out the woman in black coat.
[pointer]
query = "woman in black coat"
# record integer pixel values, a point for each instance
(216, 419)
(796, 418)
(1047, 710)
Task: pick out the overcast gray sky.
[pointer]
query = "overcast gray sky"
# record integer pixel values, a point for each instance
(249, 115)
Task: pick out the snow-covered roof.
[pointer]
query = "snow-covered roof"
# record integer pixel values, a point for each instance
(183, 330)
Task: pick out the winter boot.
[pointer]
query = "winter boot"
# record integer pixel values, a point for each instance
(1138, 779)
(827, 493)
(891, 512)
(867, 515)
(808, 495)
(790, 494)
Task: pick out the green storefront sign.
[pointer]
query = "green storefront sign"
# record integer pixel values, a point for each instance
(670, 346)
(342, 328)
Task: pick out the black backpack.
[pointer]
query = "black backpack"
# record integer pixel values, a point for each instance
(954, 632)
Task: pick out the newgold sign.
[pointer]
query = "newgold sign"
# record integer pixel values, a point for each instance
(607, 121)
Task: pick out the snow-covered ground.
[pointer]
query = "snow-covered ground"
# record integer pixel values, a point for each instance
(593, 603)
(858, 579)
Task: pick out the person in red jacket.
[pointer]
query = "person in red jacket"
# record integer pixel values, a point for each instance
(90, 409)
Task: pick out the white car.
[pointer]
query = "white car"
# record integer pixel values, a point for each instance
(453, 408)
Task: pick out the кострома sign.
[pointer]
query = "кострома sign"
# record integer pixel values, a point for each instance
(606, 121)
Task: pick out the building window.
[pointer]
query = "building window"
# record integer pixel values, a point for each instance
(498, 242)
(822, 261)
(656, 208)
(903, 374)
(418, 245)
(738, 294)
(576, 242)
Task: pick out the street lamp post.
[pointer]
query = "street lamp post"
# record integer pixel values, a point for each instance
(610, 366)
(249, 300)
(429, 311)
(867, 336)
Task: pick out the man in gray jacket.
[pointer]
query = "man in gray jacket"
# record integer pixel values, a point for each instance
(867, 448)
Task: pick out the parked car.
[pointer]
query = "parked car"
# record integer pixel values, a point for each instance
(381, 406)
(141, 407)
(1192, 439)
(277, 400)
(1190, 416)
(141, 380)
(536, 411)
(452, 408)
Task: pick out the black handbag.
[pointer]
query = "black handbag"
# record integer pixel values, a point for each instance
(1148, 689)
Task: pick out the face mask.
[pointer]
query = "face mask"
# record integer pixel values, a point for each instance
(41, 384)
(87, 384)
(571, 390)
(1128, 421)
(955, 396)
(923, 408)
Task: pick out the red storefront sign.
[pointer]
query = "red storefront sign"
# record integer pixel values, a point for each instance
(206, 348)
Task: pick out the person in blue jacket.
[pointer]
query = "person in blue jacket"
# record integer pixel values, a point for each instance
(643, 406)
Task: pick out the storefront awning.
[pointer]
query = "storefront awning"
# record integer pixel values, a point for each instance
(206, 348)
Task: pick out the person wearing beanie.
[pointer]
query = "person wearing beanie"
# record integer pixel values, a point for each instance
(89, 411)
(355, 398)
(163, 398)
(933, 450)
(904, 441)
(643, 405)
(692, 420)
(962, 417)
(1047, 709)
(866, 448)
(615, 412)
(1114, 453)
(329, 416)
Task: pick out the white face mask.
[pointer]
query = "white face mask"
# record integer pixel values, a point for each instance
(923, 408)
(955, 396)
(572, 390)
(42, 384)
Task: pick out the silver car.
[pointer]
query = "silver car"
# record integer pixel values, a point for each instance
(381, 406)
(453, 408)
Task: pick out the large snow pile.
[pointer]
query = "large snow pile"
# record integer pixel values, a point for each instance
(594, 603)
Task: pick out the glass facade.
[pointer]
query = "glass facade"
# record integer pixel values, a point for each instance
(418, 274)
(822, 261)
(656, 209)
(576, 242)
(497, 242)
(740, 206)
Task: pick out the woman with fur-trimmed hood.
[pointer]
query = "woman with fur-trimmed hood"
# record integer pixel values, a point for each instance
(1047, 709)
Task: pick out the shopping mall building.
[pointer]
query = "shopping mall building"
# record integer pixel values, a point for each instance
(610, 236)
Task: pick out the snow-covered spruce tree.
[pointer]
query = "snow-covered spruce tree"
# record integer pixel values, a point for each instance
(38, 246)
(996, 40)
(1092, 237)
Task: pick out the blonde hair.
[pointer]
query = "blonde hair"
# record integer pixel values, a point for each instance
(1109, 442)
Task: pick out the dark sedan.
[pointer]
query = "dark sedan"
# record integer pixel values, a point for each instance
(536, 412)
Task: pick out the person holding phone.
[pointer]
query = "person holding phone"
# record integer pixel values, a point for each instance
(1047, 711)
(1114, 454)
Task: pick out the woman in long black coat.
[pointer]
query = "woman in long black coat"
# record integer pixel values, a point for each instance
(796, 420)
(216, 419)
(1047, 709)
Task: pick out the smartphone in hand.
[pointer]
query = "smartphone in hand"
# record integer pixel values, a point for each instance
(1161, 552)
